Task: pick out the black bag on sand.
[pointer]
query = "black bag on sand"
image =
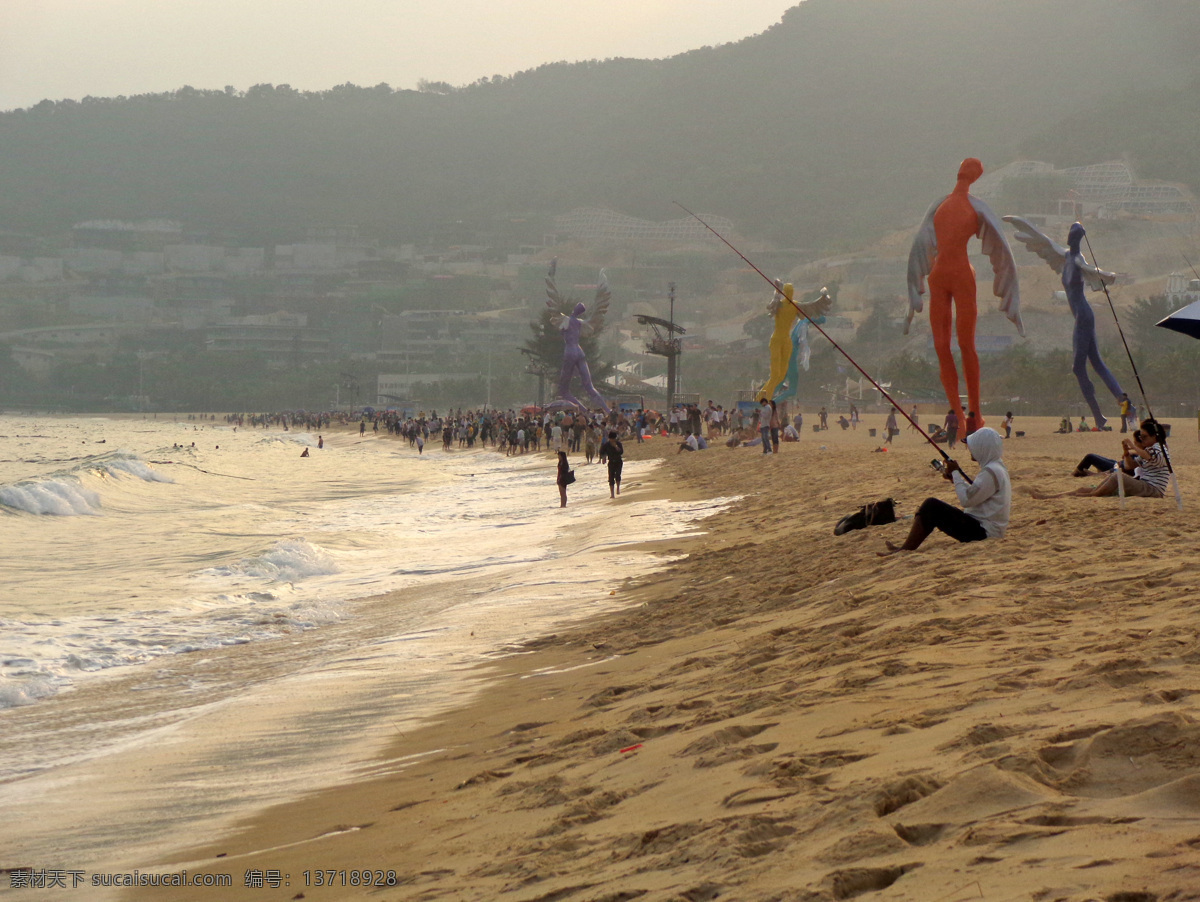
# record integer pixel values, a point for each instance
(872, 514)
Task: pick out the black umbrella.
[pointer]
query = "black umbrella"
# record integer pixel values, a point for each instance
(1185, 320)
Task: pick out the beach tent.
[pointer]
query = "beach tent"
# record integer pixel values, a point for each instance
(1185, 320)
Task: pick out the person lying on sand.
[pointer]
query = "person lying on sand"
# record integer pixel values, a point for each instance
(986, 502)
(1143, 456)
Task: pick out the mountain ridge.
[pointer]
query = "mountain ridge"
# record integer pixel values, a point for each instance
(824, 130)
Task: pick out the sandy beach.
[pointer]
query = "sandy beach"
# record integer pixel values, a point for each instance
(781, 714)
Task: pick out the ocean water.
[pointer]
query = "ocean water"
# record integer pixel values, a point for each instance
(197, 622)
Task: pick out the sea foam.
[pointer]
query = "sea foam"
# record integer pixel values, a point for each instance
(60, 496)
(287, 561)
(65, 495)
(131, 465)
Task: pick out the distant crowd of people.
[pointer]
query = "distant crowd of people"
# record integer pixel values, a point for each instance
(1141, 470)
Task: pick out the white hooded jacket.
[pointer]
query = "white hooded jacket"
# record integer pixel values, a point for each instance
(989, 498)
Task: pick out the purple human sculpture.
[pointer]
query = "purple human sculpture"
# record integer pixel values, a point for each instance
(575, 326)
(1077, 274)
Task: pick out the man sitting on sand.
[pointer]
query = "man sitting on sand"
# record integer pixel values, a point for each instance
(986, 502)
(1142, 457)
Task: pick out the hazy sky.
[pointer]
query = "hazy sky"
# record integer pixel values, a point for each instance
(73, 48)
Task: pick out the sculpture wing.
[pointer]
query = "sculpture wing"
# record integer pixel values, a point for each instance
(800, 339)
(555, 301)
(1038, 242)
(1095, 277)
(818, 308)
(594, 324)
(920, 263)
(1055, 254)
(776, 299)
(1004, 267)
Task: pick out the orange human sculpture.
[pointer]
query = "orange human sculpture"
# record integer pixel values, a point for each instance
(785, 311)
(939, 253)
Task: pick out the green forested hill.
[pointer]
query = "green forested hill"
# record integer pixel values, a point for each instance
(841, 121)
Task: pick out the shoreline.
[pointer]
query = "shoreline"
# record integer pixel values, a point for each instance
(783, 715)
(165, 750)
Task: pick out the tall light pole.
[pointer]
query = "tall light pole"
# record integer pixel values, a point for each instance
(141, 359)
(673, 359)
(488, 405)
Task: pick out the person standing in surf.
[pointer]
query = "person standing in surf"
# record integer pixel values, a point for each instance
(613, 451)
(565, 478)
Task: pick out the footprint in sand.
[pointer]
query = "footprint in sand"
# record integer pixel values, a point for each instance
(898, 795)
(855, 881)
(726, 736)
(919, 834)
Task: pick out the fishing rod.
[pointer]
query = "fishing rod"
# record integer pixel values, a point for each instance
(1185, 256)
(1136, 375)
(1189, 263)
(815, 325)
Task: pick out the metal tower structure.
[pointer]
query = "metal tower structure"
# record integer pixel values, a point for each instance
(665, 344)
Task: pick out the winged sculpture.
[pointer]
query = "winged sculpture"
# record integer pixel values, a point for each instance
(1076, 273)
(789, 339)
(575, 321)
(939, 254)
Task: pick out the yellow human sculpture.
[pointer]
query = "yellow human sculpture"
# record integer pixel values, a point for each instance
(786, 311)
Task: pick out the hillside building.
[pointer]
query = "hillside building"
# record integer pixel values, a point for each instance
(1182, 289)
(1103, 189)
(278, 337)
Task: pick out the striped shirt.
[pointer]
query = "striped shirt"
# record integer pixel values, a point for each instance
(1154, 471)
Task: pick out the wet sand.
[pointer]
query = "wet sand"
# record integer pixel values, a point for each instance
(784, 715)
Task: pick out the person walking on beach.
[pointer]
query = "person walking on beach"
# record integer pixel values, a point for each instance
(987, 502)
(613, 451)
(565, 478)
(890, 427)
(764, 424)
(951, 427)
(589, 443)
